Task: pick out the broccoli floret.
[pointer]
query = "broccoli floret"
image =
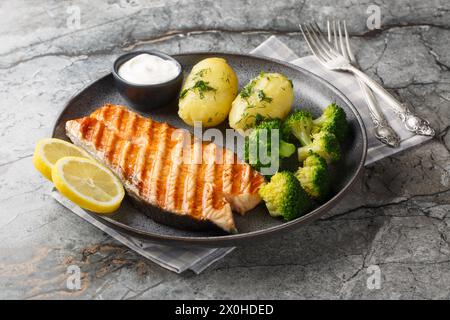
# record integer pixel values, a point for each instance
(314, 160)
(284, 149)
(313, 177)
(285, 197)
(299, 124)
(324, 144)
(334, 120)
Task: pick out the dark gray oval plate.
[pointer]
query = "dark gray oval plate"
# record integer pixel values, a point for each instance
(311, 92)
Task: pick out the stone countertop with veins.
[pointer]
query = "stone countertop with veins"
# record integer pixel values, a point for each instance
(396, 218)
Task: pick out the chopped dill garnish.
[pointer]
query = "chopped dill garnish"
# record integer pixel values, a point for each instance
(247, 90)
(201, 86)
(202, 72)
(259, 118)
(262, 96)
(183, 93)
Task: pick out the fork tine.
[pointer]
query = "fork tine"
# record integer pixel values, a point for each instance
(319, 42)
(329, 30)
(315, 43)
(335, 35)
(309, 41)
(332, 34)
(347, 42)
(341, 41)
(321, 36)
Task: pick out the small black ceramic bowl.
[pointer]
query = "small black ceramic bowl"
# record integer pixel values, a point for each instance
(145, 97)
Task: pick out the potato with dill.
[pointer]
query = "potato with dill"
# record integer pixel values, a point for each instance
(208, 92)
(269, 95)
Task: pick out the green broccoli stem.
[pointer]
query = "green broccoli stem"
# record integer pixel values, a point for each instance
(319, 121)
(303, 153)
(286, 149)
(303, 137)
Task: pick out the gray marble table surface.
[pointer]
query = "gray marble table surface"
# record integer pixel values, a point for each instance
(396, 218)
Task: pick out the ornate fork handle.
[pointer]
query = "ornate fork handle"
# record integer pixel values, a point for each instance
(385, 133)
(414, 123)
(382, 130)
(411, 121)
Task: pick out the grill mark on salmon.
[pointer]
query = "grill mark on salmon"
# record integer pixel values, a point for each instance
(191, 177)
(150, 163)
(217, 196)
(197, 199)
(174, 170)
(124, 152)
(110, 147)
(236, 182)
(210, 169)
(145, 159)
(146, 155)
(132, 157)
(139, 168)
(245, 185)
(155, 175)
(130, 126)
(165, 167)
(118, 117)
(98, 135)
(227, 172)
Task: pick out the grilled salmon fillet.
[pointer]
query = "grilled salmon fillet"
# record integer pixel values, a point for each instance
(196, 184)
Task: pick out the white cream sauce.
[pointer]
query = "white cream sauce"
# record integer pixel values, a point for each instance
(148, 69)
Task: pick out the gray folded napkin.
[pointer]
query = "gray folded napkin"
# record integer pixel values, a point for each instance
(198, 259)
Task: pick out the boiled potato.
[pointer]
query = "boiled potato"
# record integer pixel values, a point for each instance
(208, 92)
(269, 95)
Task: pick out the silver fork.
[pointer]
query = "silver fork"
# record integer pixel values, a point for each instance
(383, 131)
(333, 60)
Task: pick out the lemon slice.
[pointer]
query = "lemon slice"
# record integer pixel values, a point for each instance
(50, 150)
(88, 184)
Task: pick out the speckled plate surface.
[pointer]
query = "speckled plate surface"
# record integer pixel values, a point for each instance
(311, 93)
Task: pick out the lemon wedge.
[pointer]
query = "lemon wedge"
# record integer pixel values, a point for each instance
(88, 184)
(50, 150)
